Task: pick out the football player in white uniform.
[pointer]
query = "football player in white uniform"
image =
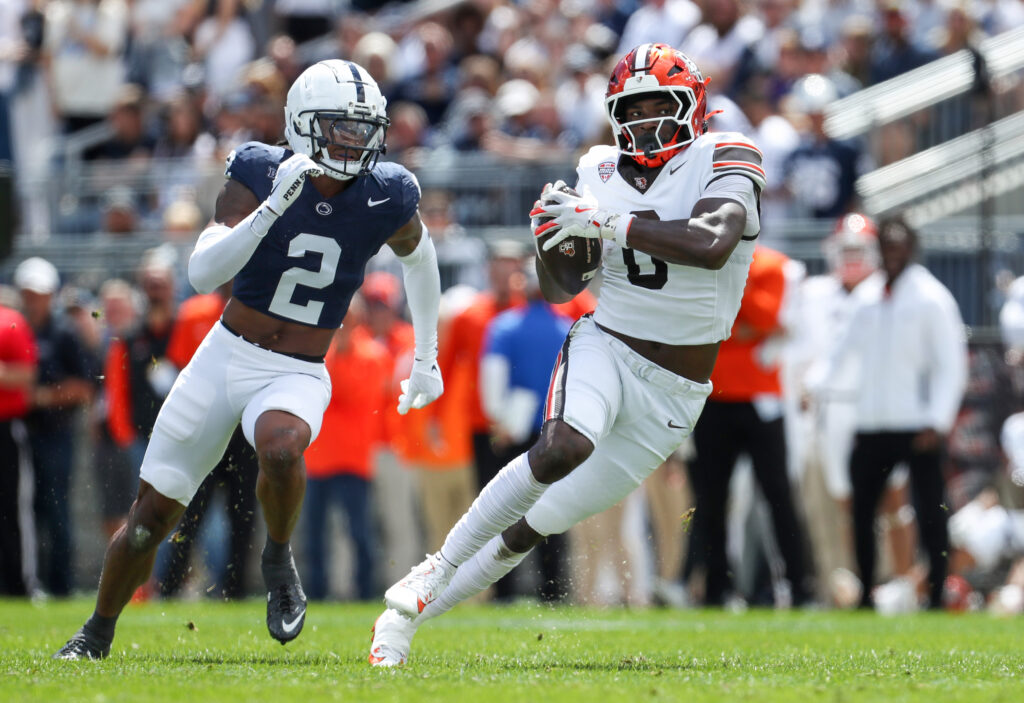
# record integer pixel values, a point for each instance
(828, 424)
(679, 209)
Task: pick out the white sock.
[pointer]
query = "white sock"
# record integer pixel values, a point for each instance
(487, 566)
(504, 500)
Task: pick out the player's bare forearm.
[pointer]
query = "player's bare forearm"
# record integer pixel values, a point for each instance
(551, 291)
(705, 240)
(235, 202)
(407, 237)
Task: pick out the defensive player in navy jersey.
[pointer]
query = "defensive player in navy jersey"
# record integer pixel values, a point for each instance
(296, 252)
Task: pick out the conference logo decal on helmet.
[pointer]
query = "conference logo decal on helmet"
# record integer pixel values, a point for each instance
(657, 70)
(335, 114)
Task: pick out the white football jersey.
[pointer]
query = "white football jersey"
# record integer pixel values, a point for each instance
(647, 298)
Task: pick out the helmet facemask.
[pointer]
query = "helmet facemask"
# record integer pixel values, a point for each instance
(657, 71)
(335, 114)
(673, 131)
(356, 141)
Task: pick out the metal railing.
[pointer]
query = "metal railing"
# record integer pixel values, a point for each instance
(925, 87)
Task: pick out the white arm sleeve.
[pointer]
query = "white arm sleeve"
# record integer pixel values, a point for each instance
(222, 251)
(423, 291)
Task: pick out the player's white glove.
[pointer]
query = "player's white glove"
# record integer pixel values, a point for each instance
(423, 386)
(578, 215)
(291, 175)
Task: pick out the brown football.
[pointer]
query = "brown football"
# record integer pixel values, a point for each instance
(573, 262)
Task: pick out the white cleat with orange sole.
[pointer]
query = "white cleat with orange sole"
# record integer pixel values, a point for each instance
(420, 587)
(392, 638)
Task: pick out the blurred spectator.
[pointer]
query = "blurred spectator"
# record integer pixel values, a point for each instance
(894, 53)
(339, 464)
(394, 493)
(468, 329)
(832, 16)
(376, 52)
(743, 415)
(67, 374)
(777, 139)
(828, 421)
(130, 139)
(988, 549)
(17, 374)
(408, 134)
(116, 474)
(821, 58)
(461, 259)
(303, 20)
(224, 43)
(470, 120)
(281, 51)
(856, 43)
(431, 83)
(580, 98)
(86, 40)
(668, 497)
(182, 124)
(664, 21)
(821, 172)
(158, 51)
(24, 89)
(437, 444)
(119, 212)
(520, 348)
(762, 57)
(908, 339)
(235, 474)
(926, 20)
(137, 373)
(718, 43)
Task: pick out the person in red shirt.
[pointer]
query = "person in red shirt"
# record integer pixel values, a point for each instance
(17, 374)
(339, 464)
(743, 415)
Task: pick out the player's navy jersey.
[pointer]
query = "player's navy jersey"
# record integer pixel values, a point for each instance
(312, 260)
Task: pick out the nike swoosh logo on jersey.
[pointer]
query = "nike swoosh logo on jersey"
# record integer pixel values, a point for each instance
(289, 626)
(674, 426)
(370, 202)
(673, 170)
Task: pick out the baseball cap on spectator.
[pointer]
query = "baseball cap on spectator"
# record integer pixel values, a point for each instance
(37, 275)
(517, 97)
(383, 288)
(506, 249)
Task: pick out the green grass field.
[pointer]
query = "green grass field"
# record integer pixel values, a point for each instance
(204, 651)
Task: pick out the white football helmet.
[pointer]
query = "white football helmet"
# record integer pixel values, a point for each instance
(336, 106)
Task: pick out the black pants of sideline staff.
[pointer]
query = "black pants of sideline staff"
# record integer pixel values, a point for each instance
(723, 433)
(875, 455)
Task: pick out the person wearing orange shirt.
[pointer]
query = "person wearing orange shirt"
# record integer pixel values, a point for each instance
(505, 271)
(396, 502)
(437, 443)
(339, 464)
(18, 356)
(236, 472)
(743, 415)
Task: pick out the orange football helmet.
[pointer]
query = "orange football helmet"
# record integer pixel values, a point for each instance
(645, 71)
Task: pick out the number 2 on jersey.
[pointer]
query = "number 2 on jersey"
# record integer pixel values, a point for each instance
(309, 313)
(654, 280)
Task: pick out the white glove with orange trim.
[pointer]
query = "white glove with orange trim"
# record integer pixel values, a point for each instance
(576, 215)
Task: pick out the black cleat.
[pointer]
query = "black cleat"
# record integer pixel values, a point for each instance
(286, 612)
(83, 646)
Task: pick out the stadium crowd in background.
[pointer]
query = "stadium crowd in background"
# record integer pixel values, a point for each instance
(172, 86)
